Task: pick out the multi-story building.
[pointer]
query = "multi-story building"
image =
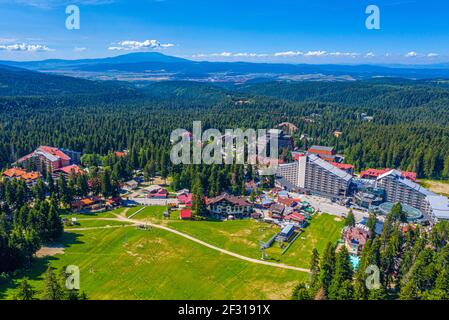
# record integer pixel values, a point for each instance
(315, 175)
(438, 207)
(400, 189)
(50, 159)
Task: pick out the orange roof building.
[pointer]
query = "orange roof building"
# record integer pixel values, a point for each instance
(20, 174)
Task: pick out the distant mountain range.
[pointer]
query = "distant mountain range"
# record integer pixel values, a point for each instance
(152, 66)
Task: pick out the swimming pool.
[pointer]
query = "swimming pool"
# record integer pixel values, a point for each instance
(354, 261)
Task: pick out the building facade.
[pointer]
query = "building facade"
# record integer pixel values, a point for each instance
(315, 175)
(226, 205)
(400, 189)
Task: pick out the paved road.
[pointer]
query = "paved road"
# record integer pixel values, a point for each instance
(233, 254)
(326, 205)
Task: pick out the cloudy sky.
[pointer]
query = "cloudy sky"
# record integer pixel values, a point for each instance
(294, 31)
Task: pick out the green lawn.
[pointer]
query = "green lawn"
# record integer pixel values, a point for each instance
(323, 228)
(239, 236)
(96, 223)
(244, 236)
(150, 213)
(132, 210)
(106, 214)
(127, 263)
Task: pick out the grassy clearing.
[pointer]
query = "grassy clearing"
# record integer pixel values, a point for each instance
(96, 223)
(133, 264)
(133, 210)
(150, 213)
(106, 214)
(244, 236)
(323, 228)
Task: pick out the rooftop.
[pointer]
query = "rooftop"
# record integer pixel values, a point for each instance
(327, 166)
(396, 174)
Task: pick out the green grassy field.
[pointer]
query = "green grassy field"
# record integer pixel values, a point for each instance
(150, 213)
(323, 228)
(132, 210)
(127, 263)
(106, 214)
(83, 223)
(244, 236)
(134, 264)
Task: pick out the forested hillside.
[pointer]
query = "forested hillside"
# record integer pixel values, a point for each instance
(21, 82)
(409, 128)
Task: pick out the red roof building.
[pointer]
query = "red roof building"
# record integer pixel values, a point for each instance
(355, 238)
(295, 216)
(68, 170)
(186, 214)
(17, 173)
(185, 199)
(47, 157)
(375, 173)
(325, 153)
(349, 168)
(288, 202)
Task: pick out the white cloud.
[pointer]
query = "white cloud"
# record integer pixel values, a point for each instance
(288, 54)
(370, 55)
(318, 53)
(25, 47)
(344, 54)
(251, 55)
(432, 55)
(411, 54)
(227, 54)
(223, 54)
(80, 49)
(128, 45)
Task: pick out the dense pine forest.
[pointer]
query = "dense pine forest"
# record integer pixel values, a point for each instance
(385, 123)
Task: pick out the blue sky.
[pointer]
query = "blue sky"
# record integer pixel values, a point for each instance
(293, 31)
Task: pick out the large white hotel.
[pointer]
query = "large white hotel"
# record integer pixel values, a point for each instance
(313, 174)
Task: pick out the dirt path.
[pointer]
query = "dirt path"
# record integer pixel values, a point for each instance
(232, 254)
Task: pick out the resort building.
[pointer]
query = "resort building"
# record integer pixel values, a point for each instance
(355, 238)
(400, 189)
(51, 159)
(30, 178)
(317, 176)
(376, 173)
(438, 207)
(226, 205)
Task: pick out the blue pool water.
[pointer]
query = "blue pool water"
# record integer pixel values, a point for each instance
(354, 261)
